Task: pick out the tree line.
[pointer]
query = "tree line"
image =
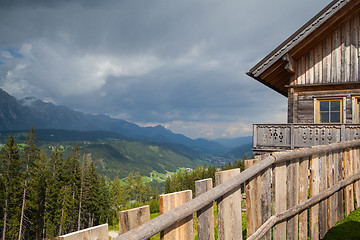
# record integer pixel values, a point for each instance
(185, 180)
(43, 197)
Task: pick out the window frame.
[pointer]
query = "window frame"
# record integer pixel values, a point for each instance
(355, 110)
(317, 109)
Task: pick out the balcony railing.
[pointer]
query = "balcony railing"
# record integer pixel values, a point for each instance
(275, 137)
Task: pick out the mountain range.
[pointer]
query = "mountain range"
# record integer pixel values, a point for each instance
(31, 112)
(117, 146)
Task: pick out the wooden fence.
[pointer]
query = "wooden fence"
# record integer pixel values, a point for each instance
(297, 194)
(100, 232)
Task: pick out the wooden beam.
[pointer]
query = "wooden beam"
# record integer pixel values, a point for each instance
(290, 63)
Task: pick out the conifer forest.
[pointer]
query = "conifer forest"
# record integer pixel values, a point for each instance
(46, 196)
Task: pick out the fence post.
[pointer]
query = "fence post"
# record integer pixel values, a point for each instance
(132, 218)
(303, 196)
(357, 183)
(229, 208)
(338, 178)
(182, 230)
(323, 216)
(348, 191)
(205, 216)
(99, 232)
(331, 205)
(314, 190)
(280, 202)
(292, 225)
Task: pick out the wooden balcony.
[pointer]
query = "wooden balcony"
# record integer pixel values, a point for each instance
(276, 137)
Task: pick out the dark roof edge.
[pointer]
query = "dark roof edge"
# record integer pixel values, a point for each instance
(298, 36)
(267, 84)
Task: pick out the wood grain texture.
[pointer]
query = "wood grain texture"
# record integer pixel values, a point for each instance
(280, 198)
(357, 183)
(183, 229)
(205, 216)
(130, 219)
(229, 208)
(100, 232)
(273, 220)
(303, 196)
(323, 216)
(314, 190)
(253, 190)
(292, 225)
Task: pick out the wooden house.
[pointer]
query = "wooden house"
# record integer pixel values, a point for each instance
(317, 69)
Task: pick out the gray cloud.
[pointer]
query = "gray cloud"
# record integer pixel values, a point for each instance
(178, 63)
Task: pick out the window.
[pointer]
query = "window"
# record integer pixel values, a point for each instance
(329, 111)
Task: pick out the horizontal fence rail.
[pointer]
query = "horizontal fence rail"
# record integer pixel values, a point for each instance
(280, 161)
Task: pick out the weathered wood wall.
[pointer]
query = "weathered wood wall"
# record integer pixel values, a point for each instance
(335, 59)
(329, 69)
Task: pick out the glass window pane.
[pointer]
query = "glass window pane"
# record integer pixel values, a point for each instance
(324, 106)
(335, 117)
(335, 106)
(324, 117)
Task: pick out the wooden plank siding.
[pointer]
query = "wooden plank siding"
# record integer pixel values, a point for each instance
(329, 68)
(334, 59)
(304, 106)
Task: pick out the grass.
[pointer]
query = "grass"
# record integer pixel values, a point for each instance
(348, 229)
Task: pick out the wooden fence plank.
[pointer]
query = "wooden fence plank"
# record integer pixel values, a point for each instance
(303, 196)
(182, 229)
(100, 232)
(292, 224)
(314, 190)
(266, 198)
(229, 208)
(130, 219)
(349, 190)
(302, 206)
(351, 172)
(279, 205)
(338, 178)
(205, 216)
(357, 183)
(323, 221)
(331, 206)
(253, 203)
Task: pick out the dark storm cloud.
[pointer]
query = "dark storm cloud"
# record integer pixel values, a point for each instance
(179, 63)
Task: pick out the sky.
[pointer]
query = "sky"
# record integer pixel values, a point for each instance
(181, 64)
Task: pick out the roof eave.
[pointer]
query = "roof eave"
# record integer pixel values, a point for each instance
(267, 84)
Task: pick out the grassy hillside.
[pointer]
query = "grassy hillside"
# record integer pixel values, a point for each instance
(120, 157)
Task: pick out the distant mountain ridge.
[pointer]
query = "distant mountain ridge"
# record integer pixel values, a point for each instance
(31, 112)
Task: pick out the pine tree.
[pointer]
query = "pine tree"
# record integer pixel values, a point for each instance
(11, 172)
(31, 153)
